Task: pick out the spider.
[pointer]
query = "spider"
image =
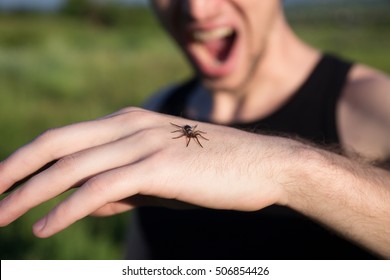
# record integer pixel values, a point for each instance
(189, 132)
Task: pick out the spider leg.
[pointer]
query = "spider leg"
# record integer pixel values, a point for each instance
(189, 132)
(197, 140)
(178, 136)
(176, 125)
(198, 134)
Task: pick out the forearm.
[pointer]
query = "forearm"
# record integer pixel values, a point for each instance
(349, 197)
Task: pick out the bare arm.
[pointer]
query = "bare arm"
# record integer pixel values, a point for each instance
(349, 197)
(364, 114)
(352, 196)
(130, 155)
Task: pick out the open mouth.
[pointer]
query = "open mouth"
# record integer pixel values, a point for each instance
(213, 50)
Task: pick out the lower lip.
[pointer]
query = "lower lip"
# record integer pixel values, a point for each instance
(215, 70)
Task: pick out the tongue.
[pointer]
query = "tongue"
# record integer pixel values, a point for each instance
(220, 49)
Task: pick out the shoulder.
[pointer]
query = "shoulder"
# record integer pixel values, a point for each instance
(364, 111)
(363, 78)
(368, 91)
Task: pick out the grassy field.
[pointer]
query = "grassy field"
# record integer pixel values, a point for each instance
(55, 70)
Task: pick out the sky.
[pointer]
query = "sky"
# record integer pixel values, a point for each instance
(32, 4)
(55, 4)
(44, 4)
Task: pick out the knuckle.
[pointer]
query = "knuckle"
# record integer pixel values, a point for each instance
(139, 114)
(130, 117)
(97, 185)
(68, 163)
(131, 113)
(130, 109)
(134, 120)
(46, 142)
(47, 136)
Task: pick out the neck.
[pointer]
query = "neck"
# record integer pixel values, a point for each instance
(284, 65)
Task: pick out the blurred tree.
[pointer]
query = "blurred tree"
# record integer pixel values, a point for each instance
(104, 13)
(79, 8)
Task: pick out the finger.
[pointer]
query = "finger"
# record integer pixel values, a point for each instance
(73, 170)
(130, 203)
(113, 208)
(59, 142)
(25, 179)
(97, 192)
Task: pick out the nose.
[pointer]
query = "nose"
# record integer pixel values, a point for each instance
(201, 9)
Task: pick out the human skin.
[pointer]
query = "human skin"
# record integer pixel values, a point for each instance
(265, 62)
(129, 158)
(126, 158)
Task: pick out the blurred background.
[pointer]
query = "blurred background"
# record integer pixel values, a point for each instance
(64, 61)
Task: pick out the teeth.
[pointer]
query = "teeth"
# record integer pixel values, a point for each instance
(215, 34)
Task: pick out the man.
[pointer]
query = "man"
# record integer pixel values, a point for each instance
(270, 194)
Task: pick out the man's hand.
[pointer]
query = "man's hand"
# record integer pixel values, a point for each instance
(130, 158)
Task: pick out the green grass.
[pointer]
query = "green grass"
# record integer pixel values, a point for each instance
(55, 70)
(358, 32)
(58, 70)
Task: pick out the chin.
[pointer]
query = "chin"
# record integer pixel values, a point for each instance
(230, 84)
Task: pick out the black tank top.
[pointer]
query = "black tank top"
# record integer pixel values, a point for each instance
(274, 232)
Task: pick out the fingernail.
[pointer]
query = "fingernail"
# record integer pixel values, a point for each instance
(40, 225)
